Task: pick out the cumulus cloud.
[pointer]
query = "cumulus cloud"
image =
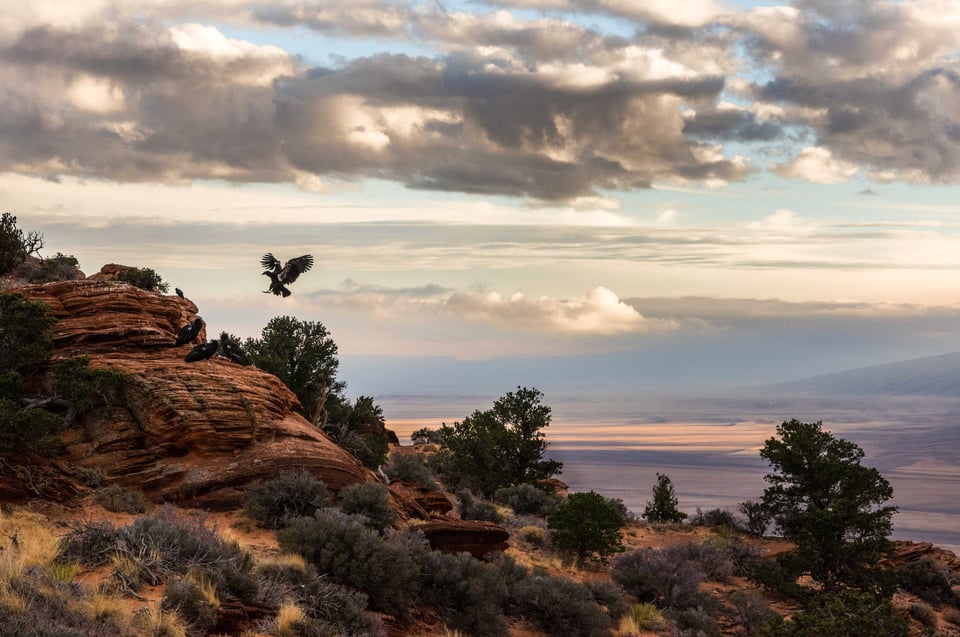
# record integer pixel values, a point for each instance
(598, 312)
(819, 166)
(497, 102)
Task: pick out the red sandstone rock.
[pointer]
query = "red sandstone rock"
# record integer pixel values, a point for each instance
(465, 536)
(189, 433)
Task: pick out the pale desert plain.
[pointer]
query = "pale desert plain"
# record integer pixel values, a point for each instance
(709, 446)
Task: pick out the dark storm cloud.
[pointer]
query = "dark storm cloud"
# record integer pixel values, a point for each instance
(877, 82)
(541, 108)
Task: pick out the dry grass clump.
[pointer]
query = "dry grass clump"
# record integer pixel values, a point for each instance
(641, 618)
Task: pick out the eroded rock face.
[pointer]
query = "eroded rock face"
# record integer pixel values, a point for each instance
(469, 536)
(188, 433)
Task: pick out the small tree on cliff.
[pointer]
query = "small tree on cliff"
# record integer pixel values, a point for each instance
(303, 355)
(829, 504)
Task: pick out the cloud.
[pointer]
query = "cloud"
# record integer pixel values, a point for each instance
(521, 114)
(819, 166)
(598, 312)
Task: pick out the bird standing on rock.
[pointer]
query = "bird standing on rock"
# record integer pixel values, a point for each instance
(189, 332)
(283, 275)
(203, 351)
(232, 350)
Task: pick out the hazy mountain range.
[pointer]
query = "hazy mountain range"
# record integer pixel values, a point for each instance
(927, 376)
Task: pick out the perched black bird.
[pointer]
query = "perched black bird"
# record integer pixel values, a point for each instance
(179, 292)
(201, 352)
(283, 275)
(232, 350)
(189, 332)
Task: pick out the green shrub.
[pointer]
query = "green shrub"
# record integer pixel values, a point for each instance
(924, 614)
(292, 494)
(586, 524)
(848, 613)
(161, 545)
(13, 251)
(468, 594)
(951, 615)
(86, 388)
(716, 518)
(770, 574)
(119, 500)
(410, 467)
(711, 557)
(386, 568)
(560, 606)
(659, 577)
(929, 581)
(144, 278)
(371, 500)
(535, 535)
(527, 499)
(751, 611)
(29, 430)
(474, 508)
(328, 606)
(191, 600)
(692, 622)
(610, 598)
(34, 604)
(757, 517)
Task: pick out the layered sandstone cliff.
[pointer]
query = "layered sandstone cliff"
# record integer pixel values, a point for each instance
(189, 433)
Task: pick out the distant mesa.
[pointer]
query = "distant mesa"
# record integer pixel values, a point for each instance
(927, 376)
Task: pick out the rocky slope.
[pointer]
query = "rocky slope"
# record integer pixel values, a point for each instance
(189, 433)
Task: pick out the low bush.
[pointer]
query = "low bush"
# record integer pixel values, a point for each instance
(292, 494)
(751, 611)
(468, 594)
(929, 581)
(849, 613)
(609, 596)
(559, 606)
(326, 606)
(162, 545)
(410, 467)
(474, 508)
(527, 499)
(144, 278)
(340, 545)
(659, 577)
(757, 517)
(692, 622)
(716, 518)
(532, 534)
(119, 500)
(924, 614)
(193, 599)
(951, 615)
(371, 500)
(641, 618)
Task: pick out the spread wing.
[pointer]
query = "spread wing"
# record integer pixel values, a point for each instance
(295, 267)
(270, 262)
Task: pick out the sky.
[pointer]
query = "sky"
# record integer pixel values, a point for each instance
(567, 194)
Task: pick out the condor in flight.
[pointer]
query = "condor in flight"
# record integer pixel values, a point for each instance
(283, 275)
